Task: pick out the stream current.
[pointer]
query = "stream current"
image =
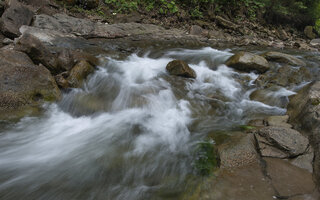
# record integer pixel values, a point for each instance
(130, 132)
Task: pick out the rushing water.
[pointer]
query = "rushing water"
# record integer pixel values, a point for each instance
(130, 133)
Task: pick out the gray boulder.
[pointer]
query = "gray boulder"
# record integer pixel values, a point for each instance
(22, 84)
(13, 18)
(283, 58)
(248, 62)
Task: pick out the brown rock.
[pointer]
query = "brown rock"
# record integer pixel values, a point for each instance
(78, 73)
(287, 179)
(13, 18)
(180, 68)
(248, 62)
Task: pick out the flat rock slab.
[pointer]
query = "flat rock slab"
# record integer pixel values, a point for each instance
(245, 183)
(281, 142)
(289, 180)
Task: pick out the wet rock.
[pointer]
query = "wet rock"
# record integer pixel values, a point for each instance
(23, 84)
(308, 31)
(304, 113)
(78, 73)
(244, 183)
(289, 180)
(248, 62)
(197, 30)
(304, 161)
(281, 142)
(271, 96)
(284, 76)
(278, 121)
(238, 152)
(61, 80)
(283, 58)
(180, 68)
(13, 18)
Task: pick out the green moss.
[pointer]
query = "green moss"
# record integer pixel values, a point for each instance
(206, 159)
(246, 128)
(315, 102)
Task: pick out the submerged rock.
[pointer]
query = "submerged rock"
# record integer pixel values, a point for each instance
(78, 73)
(23, 84)
(248, 62)
(283, 58)
(180, 68)
(281, 142)
(13, 18)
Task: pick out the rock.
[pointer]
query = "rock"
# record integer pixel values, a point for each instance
(88, 29)
(78, 73)
(248, 62)
(38, 52)
(61, 80)
(281, 142)
(289, 180)
(226, 23)
(278, 121)
(245, 183)
(57, 51)
(304, 161)
(23, 84)
(180, 68)
(315, 42)
(271, 96)
(7, 41)
(304, 113)
(240, 151)
(308, 31)
(197, 30)
(283, 58)
(284, 76)
(13, 18)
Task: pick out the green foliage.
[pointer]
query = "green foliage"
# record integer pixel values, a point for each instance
(123, 6)
(205, 158)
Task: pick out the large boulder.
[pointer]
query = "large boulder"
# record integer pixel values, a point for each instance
(304, 113)
(283, 58)
(13, 18)
(315, 42)
(248, 62)
(281, 142)
(180, 68)
(23, 84)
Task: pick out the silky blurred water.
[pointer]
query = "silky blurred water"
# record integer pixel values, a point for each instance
(130, 132)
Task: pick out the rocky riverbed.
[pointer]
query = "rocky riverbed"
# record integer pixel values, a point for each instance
(91, 110)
